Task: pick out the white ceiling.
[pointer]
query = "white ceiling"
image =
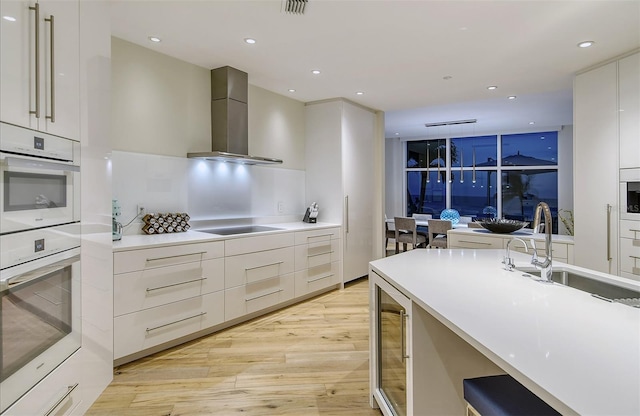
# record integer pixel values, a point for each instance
(398, 52)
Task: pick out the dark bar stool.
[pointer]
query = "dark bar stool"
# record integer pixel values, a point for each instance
(502, 396)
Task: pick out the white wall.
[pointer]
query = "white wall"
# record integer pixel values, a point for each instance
(565, 174)
(206, 190)
(161, 111)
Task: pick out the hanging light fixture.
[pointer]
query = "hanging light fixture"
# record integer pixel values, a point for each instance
(473, 166)
(461, 165)
(428, 162)
(438, 163)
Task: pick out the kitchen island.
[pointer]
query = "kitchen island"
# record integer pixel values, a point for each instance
(469, 317)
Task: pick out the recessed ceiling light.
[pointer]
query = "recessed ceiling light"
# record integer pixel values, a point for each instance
(532, 122)
(512, 97)
(250, 41)
(359, 93)
(292, 90)
(315, 72)
(492, 87)
(155, 39)
(9, 18)
(585, 44)
(397, 134)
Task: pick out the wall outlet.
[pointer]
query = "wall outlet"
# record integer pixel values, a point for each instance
(280, 207)
(141, 210)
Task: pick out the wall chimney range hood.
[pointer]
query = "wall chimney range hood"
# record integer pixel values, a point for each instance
(229, 120)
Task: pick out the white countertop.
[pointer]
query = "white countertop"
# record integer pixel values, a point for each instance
(139, 241)
(524, 233)
(578, 353)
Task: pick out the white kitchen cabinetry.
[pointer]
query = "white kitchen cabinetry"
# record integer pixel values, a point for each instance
(561, 245)
(57, 395)
(258, 273)
(340, 138)
(630, 249)
(39, 65)
(629, 96)
(595, 159)
(165, 293)
(318, 256)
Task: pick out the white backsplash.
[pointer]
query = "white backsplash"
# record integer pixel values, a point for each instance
(206, 190)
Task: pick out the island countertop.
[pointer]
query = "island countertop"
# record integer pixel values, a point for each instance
(578, 353)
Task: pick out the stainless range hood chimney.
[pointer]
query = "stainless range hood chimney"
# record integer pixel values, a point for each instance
(229, 119)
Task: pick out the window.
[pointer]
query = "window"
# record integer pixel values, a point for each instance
(483, 176)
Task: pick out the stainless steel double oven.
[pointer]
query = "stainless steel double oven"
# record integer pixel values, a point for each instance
(40, 325)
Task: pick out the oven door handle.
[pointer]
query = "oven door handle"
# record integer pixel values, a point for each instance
(37, 164)
(40, 271)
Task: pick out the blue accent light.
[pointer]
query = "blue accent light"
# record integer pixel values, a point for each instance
(451, 215)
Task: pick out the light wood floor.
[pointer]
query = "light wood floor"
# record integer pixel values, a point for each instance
(309, 359)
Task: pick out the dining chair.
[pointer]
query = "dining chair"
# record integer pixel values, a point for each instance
(388, 233)
(438, 233)
(407, 233)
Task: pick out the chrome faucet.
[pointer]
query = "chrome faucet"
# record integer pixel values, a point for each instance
(507, 260)
(543, 266)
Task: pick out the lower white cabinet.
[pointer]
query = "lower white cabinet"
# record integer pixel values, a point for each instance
(630, 249)
(58, 394)
(166, 293)
(252, 297)
(561, 247)
(144, 329)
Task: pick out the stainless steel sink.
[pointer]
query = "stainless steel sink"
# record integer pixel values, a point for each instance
(608, 291)
(239, 230)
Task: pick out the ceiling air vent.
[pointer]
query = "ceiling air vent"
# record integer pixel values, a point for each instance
(295, 6)
(451, 123)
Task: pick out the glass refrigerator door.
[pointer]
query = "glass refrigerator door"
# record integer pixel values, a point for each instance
(392, 351)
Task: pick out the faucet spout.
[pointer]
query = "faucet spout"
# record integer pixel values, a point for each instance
(544, 266)
(507, 260)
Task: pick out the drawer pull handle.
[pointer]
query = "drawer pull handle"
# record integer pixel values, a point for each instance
(320, 254)
(246, 269)
(320, 278)
(261, 296)
(318, 236)
(175, 322)
(151, 289)
(475, 242)
(70, 389)
(176, 256)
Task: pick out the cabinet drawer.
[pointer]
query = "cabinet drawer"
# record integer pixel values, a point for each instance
(319, 277)
(154, 287)
(133, 260)
(630, 257)
(254, 267)
(317, 253)
(559, 251)
(630, 229)
(140, 330)
(252, 297)
(456, 241)
(314, 236)
(245, 245)
(57, 394)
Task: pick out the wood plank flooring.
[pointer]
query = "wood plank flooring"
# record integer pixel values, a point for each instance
(308, 359)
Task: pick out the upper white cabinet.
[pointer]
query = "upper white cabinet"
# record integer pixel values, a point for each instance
(340, 139)
(629, 96)
(595, 161)
(39, 65)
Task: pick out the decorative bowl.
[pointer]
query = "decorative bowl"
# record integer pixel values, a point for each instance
(501, 225)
